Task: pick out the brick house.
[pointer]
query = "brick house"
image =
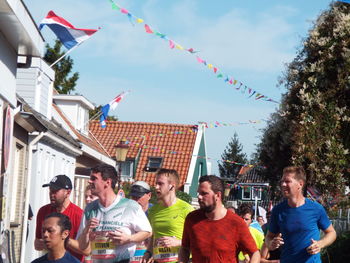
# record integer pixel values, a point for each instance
(156, 145)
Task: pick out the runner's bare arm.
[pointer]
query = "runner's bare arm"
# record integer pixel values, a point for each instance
(329, 236)
(74, 245)
(120, 238)
(264, 252)
(147, 257)
(169, 241)
(255, 257)
(184, 255)
(273, 241)
(84, 238)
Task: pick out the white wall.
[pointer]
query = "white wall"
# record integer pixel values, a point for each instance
(8, 65)
(34, 85)
(70, 110)
(47, 162)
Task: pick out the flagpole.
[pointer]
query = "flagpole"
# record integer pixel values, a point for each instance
(72, 49)
(65, 54)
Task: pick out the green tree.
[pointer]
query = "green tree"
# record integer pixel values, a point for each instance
(232, 153)
(274, 150)
(63, 83)
(314, 117)
(96, 113)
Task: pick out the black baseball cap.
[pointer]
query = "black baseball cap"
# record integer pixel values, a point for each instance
(60, 182)
(139, 188)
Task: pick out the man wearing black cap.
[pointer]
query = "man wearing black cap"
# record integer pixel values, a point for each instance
(60, 189)
(141, 193)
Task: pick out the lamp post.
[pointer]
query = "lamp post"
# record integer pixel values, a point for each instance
(120, 154)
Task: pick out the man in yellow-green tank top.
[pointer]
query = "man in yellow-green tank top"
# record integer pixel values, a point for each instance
(167, 219)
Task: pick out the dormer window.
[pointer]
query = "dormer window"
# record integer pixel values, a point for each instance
(76, 109)
(154, 163)
(246, 193)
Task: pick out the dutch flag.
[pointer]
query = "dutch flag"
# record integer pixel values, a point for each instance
(112, 105)
(66, 32)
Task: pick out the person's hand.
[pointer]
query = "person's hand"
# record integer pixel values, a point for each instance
(314, 248)
(39, 244)
(90, 226)
(147, 258)
(276, 242)
(168, 242)
(118, 237)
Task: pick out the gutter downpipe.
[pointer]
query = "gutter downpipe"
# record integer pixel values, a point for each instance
(26, 205)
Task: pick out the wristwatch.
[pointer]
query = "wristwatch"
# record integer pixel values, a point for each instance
(149, 252)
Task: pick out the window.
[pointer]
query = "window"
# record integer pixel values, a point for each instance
(246, 193)
(126, 169)
(200, 170)
(256, 191)
(154, 163)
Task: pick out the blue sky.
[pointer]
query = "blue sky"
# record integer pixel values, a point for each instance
(251, 40)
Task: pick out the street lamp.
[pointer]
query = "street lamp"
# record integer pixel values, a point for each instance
(120, 154)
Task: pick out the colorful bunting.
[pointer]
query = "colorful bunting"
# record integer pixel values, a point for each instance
(148, 29)
(173, 44)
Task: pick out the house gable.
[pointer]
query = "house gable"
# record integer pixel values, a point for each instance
(200, 168)
(174, 143)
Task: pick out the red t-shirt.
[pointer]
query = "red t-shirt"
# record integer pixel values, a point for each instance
(216, 241)
(74, 212)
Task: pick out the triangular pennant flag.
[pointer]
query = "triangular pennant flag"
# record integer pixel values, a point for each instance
(124, 11)
(115, 7)
(179, 47)
(200, 60)
(252, 94)
(148, 29)
(160, 35)
(191, 50)
(171, 44)
(139, 20)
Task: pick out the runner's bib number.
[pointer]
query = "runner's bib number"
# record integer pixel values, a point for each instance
(101, 249)
(140, 250)
(166, 254)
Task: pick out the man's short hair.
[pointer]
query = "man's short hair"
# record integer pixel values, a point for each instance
(217, 185)
(245, 209)
(107, 172)
(173, 176)
(63, 222)
(298, 171)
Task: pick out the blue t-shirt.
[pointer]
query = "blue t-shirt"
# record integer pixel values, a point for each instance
(298, 225)
(67, 258)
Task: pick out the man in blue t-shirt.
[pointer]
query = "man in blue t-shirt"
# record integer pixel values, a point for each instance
(296, 222)
(55, 233)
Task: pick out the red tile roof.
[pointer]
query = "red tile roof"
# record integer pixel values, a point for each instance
(173, 142)
(89, 141)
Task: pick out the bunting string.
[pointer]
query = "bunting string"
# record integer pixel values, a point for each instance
(164, 150)
(217, 124)
(235, 83)
(208, 125)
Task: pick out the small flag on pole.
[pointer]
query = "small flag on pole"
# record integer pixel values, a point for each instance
(66, 32)
(112, 105)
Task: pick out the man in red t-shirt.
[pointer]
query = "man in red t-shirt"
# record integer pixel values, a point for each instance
(60, 189)
(211, 233)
